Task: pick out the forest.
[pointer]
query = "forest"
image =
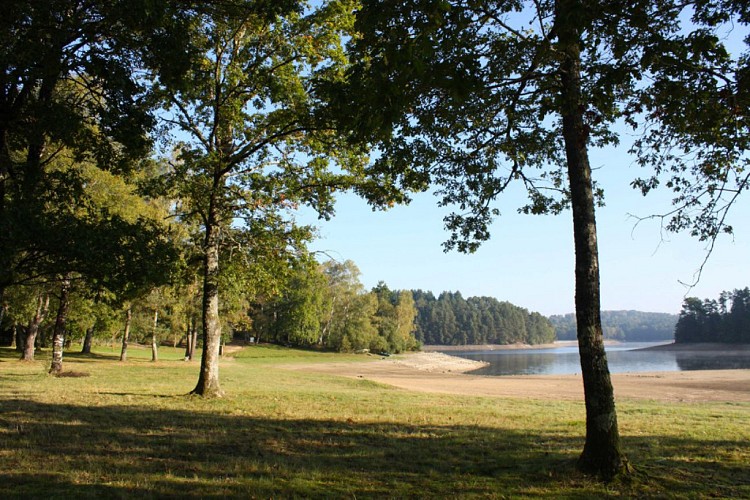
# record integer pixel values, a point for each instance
(451, 319)
(726, 319)
(625, 326)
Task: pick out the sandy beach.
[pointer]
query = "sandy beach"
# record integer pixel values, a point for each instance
(442, 373)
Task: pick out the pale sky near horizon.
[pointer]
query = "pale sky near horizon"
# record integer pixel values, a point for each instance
(529, 259)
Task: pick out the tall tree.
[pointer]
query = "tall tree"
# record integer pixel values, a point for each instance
(70, 86)
(474, 95)
(256, 142)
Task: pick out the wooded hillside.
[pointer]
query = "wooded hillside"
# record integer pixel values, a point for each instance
(631, 326)
(450, 319)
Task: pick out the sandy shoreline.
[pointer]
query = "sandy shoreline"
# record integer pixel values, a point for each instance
(442, 373)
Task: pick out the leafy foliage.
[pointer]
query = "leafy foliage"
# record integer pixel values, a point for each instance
(72, 87)
(325, 305)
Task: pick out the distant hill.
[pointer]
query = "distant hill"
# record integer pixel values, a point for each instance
(632, 326)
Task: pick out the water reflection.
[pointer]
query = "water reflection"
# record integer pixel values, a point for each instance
(625, 357)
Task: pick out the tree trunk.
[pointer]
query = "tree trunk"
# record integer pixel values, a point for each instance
(86, 349)
(42, 307)
(154, 343)
(126, 335)
(3, 305)
(601, 453)
(188, 340)
(20, 346)
(58, 334)
(208, 381)
(194, 342)
(192, 338)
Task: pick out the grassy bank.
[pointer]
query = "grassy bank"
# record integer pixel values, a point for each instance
(129, 430)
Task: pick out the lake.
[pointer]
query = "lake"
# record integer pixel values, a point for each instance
(624, 357)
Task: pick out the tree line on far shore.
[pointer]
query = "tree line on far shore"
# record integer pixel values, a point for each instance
(726, 319)
(450, 319)
(625, 326)
(324, 305)
(306, 304)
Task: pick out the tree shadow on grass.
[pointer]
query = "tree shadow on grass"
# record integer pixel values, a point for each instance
(126, 451)
(75, 451)
(88, 356)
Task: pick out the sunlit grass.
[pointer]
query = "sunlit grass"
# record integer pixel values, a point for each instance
(131, 429)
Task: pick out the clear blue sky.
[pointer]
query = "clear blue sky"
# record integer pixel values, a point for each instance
(529, 260)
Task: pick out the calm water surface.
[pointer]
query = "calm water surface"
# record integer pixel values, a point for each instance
(622, 358)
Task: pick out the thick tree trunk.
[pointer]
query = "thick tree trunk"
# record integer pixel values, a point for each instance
(208, 381)
(58, 334)
(42, 307)
(86, 349)
(154, 343)
(601, 453)
(126, 335)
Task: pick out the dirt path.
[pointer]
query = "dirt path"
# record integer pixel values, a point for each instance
(434, 372)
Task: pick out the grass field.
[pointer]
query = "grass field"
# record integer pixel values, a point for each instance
(130, 430)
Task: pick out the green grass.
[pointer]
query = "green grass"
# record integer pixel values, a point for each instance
(131, 430)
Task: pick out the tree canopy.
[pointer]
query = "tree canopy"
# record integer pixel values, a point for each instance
(71, 89)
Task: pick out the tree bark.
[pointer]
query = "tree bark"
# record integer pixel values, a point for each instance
(601, 454)
(208, 381)
(154, 345)
(126, 335)
(86, 349)
(42, 307)
(188, 341)
(58, 334)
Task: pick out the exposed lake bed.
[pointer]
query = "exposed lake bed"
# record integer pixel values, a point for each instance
(442, 373)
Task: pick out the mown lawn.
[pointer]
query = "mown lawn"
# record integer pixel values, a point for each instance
(131, 430)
